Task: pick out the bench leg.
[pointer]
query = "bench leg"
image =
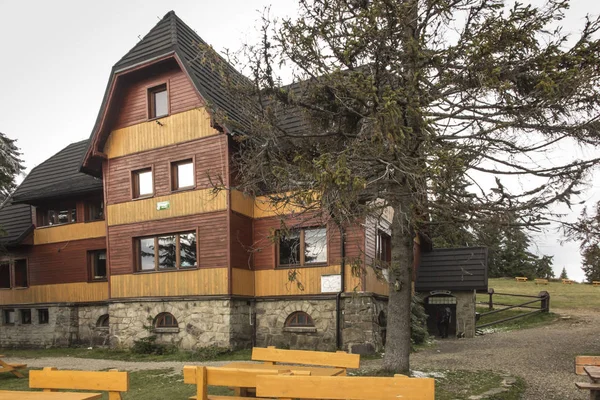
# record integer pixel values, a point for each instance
(594, 394)
(17, 373)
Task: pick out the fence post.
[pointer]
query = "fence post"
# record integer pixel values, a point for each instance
(545, 301)
(491, 302)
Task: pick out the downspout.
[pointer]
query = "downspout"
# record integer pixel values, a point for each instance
(338, 311)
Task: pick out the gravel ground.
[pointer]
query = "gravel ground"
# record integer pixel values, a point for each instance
(543, 356)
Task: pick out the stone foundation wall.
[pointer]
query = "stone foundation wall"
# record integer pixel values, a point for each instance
(362, 332)
(271, 329)
(201, 323)
(90, 334)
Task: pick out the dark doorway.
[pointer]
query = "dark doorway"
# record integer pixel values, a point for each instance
(434, 307)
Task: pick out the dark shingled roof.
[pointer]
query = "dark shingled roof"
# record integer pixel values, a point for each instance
(453, 269)
(15, 222)
(57, 177)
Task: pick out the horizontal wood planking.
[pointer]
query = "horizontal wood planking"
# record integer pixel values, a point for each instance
(277, 282)
(181, 204)
(243, 282)
(56, 293)
(203, 281)
(242, 204)
(240, 241)
(111, 381)
(133, 94)
(65, 233)
(63, 262)
(176, 128)
(321, 358)
(374, 284)
(212, 239)
(208, 154)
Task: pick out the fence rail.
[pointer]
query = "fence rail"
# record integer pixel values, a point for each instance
(544, 306)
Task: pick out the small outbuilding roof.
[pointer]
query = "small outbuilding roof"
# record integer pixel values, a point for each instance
(456, 269)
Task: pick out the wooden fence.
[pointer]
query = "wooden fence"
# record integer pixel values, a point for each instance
(543, 298)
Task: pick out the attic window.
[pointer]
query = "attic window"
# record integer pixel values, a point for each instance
(158, 101)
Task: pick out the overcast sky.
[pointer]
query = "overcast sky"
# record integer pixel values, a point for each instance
(56, 56)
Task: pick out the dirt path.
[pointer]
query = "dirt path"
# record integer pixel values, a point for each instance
(543, 356)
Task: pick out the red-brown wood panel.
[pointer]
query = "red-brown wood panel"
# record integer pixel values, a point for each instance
(209, 157)
(212, 239)
(134, 93)
(64, 262)
(241, 241)
(264, 247)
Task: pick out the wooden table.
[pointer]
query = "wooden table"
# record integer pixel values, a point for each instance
(593, 373)
(20, 395)
(314, 371)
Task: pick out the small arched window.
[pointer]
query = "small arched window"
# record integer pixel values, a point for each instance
(102, 321)
(165, 320)
(299, 319)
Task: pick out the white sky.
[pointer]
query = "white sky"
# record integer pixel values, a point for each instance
(56, 56)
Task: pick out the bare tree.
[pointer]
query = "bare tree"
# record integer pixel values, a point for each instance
(419, 105)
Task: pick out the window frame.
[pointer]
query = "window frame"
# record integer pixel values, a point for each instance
(302, 263)
(21, 319)
(5, 315)
(10, 274)
(383, 243)
(294, 316)
(101, 320)
(43, 214)
(137, 252)
(174, 177)
(151, 90)
(90, 205)
(39, 312)
(91, 265)
(135, 183)
(13, 266)
(161, 318)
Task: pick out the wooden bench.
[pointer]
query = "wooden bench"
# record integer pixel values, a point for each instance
(12, 368)
(595, 283)
(585, 361)
(567, 282)
(340, 359)
(240, 379)
(50, 380)
(521, 278)
(345, 387)
(541, 281)
(594, 389)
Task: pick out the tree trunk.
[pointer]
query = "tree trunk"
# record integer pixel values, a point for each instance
(398, 344)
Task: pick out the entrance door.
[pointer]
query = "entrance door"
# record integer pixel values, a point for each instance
(434, 306)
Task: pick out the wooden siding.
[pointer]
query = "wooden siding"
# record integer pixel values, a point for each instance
(204, 281)
(242, 204)
(57, 293)
(64, 262)
(243, 282)
(176, 128)
(183, 203)
(277, 282)
(66, 233)
(209, 158)
(240, 241)
(134, 93)
(212, 239)
(372, 284)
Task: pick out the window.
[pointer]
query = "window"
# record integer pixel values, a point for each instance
(103, 321)
(9, 317)
(299, 319)
(21, 273)
(165, 320)
(303, 247)
(182, 175)
(25, 317)
(97, 260)
(43, 316)
(383, 248)
(5, 275)
(95, 210)
(65, 213)
(143, 184)
(167, 252)
(158, 101)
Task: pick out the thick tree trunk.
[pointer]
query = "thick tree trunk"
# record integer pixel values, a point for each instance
(397, 347)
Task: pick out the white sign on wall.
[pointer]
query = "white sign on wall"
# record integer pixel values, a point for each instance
(163, 205)
(331, 283)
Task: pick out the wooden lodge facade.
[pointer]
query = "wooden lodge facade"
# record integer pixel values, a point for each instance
(124, 231)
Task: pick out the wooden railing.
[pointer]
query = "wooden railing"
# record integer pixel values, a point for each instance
(543, 298)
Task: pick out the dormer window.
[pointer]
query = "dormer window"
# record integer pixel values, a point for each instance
(158, 101)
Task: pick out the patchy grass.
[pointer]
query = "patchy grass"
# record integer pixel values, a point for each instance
(208, 354)
(519, 323)
(577, 296)
(157, 384)
(455, 385)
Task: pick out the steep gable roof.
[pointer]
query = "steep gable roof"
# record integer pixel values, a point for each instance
(58, 176)
(172, 37)
(15, 222)
(463, 268)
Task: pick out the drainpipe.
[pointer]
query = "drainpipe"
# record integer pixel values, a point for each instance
(338, 310)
